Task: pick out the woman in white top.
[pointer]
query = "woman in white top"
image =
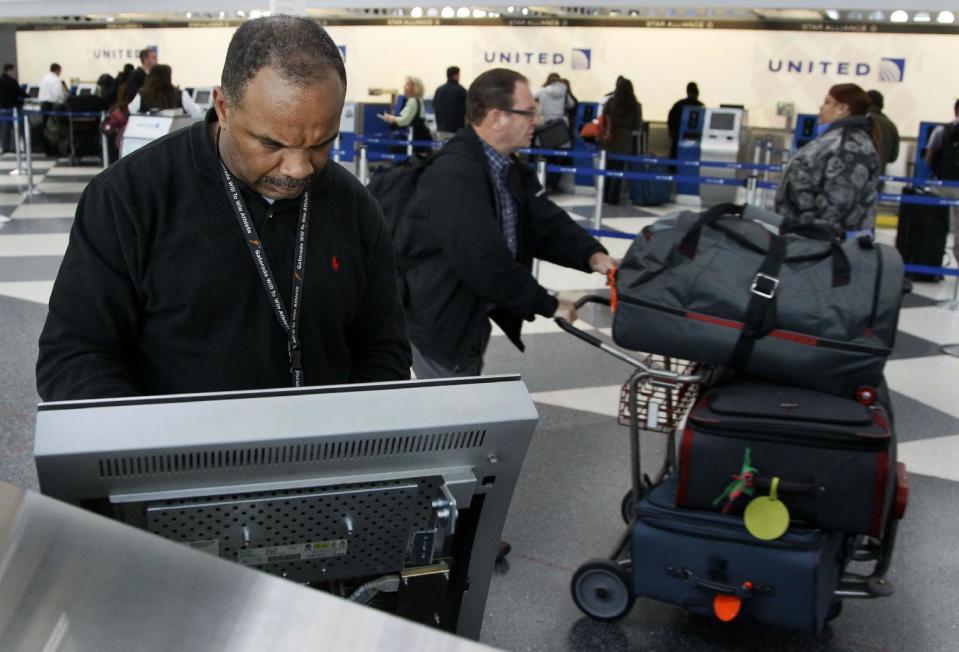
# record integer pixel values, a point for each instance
(158, 93)
(413, 114)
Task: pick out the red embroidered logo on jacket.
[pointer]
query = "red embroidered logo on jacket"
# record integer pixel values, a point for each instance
(336, 264)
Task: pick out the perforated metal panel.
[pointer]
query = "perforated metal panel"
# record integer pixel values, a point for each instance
(376, 520)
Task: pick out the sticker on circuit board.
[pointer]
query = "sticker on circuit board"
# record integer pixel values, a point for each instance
(293, 552)
(211, 546)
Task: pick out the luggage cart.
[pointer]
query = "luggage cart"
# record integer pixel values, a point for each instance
(656, 399)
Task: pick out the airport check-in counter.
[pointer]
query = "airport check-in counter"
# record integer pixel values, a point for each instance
(720, 142)
(922, 170)
(688, 148)
(75, 581)
(142, 128)
(805, 130)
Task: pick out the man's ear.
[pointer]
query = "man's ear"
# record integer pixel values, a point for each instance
(222, 106)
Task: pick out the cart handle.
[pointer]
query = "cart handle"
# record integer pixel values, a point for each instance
(654, 372)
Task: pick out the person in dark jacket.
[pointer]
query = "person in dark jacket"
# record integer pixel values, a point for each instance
(625, 114)
(148, 59)
(478, 219)
(449, 105)
(11, 97)
(888, 132)
(676, 115)
(163, 285)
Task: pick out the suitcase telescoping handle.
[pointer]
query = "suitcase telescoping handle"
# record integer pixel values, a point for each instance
(589, 338)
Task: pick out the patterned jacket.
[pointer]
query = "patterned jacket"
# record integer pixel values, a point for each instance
(833, 179)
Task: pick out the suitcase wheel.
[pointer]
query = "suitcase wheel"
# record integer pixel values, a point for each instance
(602, 589)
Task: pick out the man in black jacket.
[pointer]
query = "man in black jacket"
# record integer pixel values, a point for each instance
(449, 105)
(676, 116)
(478, 219)
(148, 59)
(11, 97)
(185, 270)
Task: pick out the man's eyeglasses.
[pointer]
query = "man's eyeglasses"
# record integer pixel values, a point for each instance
(529, 114)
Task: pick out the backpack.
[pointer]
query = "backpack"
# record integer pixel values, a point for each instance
(945, 163)
(395, 190)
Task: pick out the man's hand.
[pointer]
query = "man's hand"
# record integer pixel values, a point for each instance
(565, 310)
(601, 262)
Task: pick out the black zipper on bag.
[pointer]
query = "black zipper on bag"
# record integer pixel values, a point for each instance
(766, 431)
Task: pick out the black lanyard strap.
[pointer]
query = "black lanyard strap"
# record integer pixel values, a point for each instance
(289, 323)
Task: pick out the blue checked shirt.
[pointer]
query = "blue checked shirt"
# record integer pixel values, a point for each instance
(499, 166)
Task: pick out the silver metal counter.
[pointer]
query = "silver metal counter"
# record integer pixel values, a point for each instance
(72, 581)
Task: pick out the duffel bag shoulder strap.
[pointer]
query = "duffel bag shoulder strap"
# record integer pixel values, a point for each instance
(760, 315)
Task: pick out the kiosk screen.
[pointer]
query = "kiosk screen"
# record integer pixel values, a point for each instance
(722, 121)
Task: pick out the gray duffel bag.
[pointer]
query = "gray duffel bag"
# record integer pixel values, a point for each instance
(724, 289)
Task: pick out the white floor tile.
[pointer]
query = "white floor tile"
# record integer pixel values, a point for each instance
(7, 180)
(938, 457)
(600, 400)
(45, 211)
(62, 186)
(11, 164)
(930, 380)
(555, 277)
(933, 323)
(33, 244)
(938, 291)
(75, 171)
(36, 291)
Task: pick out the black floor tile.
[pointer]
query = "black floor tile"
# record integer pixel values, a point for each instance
(46, 225)
(910, 346)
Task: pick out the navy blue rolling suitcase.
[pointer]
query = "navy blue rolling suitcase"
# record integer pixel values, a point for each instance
(688, 558)
(649, 192)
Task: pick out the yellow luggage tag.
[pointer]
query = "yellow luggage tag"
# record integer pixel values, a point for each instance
(766, 517)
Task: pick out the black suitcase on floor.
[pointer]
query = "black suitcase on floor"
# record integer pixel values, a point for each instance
(921, 234)
(688, 558)
(835, 458)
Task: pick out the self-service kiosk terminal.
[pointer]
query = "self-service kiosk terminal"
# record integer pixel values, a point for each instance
(922, 170)
(203, 97)
(688, 148)
(805, 130)
(722, 132)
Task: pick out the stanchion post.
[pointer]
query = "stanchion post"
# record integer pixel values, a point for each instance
(535, 270)
(541, 171)
(600, 185)
(364, 170)
(17, 144)
(336, 149)
(409, 144)
(104, 143)
(29, 147)
(767, 159)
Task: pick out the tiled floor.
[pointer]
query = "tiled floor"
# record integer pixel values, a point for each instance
(566, 507)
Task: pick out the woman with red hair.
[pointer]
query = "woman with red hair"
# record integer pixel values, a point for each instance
(834, 178)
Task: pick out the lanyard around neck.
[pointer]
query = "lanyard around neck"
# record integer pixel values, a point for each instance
(289, 323)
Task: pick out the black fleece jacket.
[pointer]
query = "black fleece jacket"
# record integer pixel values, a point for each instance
(158, 292)
(456, 260)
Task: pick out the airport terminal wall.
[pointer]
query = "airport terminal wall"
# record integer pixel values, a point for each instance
(758, 69)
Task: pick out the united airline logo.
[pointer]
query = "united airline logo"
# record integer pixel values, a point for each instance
(892, 70)
(579, 58)
(582, 58)
(889, 70)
